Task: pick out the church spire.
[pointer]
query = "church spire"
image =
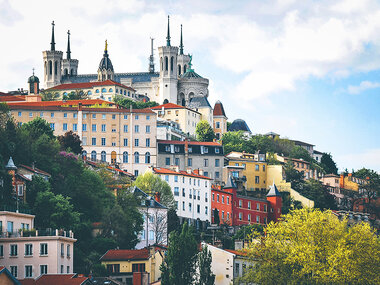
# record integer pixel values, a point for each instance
(168, 36)
(151, 58)
(68, 52)
(181, 43)
(52, 44)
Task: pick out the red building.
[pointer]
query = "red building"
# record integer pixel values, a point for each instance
(236, 209)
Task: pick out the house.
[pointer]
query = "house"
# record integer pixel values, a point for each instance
(220, 120)
(222, 201)
(317, 155)
(309, 147)
(121, 264)
(27, 252)
(191, 191)
(169, 130)
(57, 279)
(6, 278)
(155, 227)
(192, 154)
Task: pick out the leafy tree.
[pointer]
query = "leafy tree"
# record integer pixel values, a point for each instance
(37, 185)
(44, 149)
(299, 152)
(173, 220)
(245, 231)
(314, 190)
(76, 95)
(204, 131)
(293, 176)
(49, 95)
(328, 164)
(313, 247)
(70, 141)
(206, 277)
(179, 266)
(151, 183)
(4, 115)
(37, 127)
(127, 103)
(234, 141)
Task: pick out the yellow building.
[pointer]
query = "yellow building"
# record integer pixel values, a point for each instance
(255, 169)
(350, 182)
(122, 263)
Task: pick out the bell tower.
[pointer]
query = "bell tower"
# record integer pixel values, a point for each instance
(183, 59)
(69, 65)
(168, 79)
(105, 70)
(52, 63)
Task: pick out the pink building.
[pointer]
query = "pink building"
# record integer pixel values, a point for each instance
(29, 253)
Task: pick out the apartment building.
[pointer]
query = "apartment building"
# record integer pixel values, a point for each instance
(207, 156)
(29, 253)
(124, 137)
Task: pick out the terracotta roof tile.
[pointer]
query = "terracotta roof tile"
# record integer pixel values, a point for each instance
(241, 253)
(161, 170)
(56, 279)
(12, 98)
(64, 103)
(218, 109)
(168, 106)
(126, 254)
(35, 170)
(87, 85)
(189, 142)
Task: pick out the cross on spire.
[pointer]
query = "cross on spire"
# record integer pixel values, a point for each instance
(52, 44)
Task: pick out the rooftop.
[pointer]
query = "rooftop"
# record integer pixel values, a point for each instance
(126, 254)
(189, 142)
(87, 85)
(161, 170)
(56, 279)
(239, 125)
(219, 109)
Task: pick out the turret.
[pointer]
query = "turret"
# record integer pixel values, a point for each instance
(219, 120)
(105, 70)
(34, 85)
(69, 66)
(275, 201)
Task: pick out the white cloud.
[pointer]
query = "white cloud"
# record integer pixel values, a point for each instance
(363, 86)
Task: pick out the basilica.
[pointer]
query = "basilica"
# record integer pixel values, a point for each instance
(176, 82)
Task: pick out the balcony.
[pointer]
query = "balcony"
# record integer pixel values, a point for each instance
(37, 233)
(11, 208)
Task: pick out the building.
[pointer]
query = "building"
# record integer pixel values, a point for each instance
(191, 191)
(185, 117)
(121, 264)
(122, 137)
(309, 147)
(207, 156)
(220, 120)
(317, 155)
(28, 253)
(67, 279)
(255, 169)
(349, 182)
(169, 130)
(223, 202)
(6, 278)
(240, 125)
(155, 227)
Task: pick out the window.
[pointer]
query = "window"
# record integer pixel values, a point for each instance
(249, 217)
(147, 157)
(137, 157)
(113, 117)
(217, 162)
(67, 269)
(30, 114)
(28, 271)
(189, 207)
(43, 249)
(176, 191)
(183, 192)
(167, 178)
(151, 235)
(93, 155)
(240, 216)
(52, 126)
(125, 142)
(43, 269)
(257, 179)
(20, 190)
(183, 206)
(1, 250)
(205, 149)
(147, 117)
(257, 219)
(175, 178)
(147, 142)
(103, 127)
(125, 128)
(97, 91)
(205, 163)
(206, 210)
(13, 251)
(93, 141)
(249, 204)
(167, 161)
(136, 173)
(41, 114)
(94, 116)
(103, 141)
(93, 127)
(20, 113)
(228, 200)
(228, 215)
(190, 162)
(198, 209)
(217, 175)
(136, 142)
(125, 117)
(263, 167)
(205, 173)
(136, 117)
(103, 156)
(75, 127)
(240, 203)
(28, 249)
(125, 157)
(61, 269)
(222, 215)
(217, 197)
(62, 249)
(84, 127)
(147, 129)
(258, 207)
(218, 125)
(65, 115)
(14, 271)
(176, 161)
(265, 208)
(68, 250)
(138, 267)
(75, 115)
(136, 128)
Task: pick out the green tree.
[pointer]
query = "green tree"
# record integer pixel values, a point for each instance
(37, 127)
(49, 95)
(127, 103)
(206, 277)
(151, 183)
(309, 246)
(37, 185)
(179, 266)
(234, 141)
(4, 115)
(173, 220)
(299, 152)
(204, 132)
(328, 164)
(70, 141)
(76, 95)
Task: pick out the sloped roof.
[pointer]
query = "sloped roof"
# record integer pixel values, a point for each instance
(161, 170)
(138, 191)
(84, 102)
(189, 142)
(86, 85)
(239, 125)
(199, 102)
(35, 170)
(126, 254)
(273, 191)
(11, 277)
(168, 106)
(56, 279)
(237, 252)
(219, 109)
(190, 74)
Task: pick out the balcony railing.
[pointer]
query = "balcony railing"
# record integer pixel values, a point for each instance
(37, 233)
(11, 208)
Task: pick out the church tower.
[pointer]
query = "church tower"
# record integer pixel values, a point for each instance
(52, 63)
(69, 66)
(168, 79)
(183, 59)
(105, 70)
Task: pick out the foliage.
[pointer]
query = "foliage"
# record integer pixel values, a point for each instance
(70, 141)
(179, 266)
(206, 277)
(4, 115)
(127, 103)
(299, 152)
(173, 221)
(151, 183)
(204, 131)
(245, 231)
(76, 95)
(234, 141)
(313, 247)
(49, 95)
(328, 164)
(37, 185)
(37, 127)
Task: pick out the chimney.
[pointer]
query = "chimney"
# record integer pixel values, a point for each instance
(174, 167)
(200, 171)
(157, 197)
(80, 106)
(188, 170)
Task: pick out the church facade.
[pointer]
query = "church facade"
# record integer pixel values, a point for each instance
(176, 82)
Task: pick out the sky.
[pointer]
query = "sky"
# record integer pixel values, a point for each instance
(307, 70)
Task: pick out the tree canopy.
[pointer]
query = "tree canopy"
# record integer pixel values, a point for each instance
(70, 141)
(127, 103)
(204, 132)
(328, 164)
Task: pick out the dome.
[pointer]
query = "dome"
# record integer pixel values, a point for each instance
(191, 74)
(105, 63)
(33, 79)
(239, 125)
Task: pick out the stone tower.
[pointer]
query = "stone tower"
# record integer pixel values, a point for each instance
(33, 85)
(52, 64)
(168, 79)
(182, 59)
(105, 70)
(69, 65)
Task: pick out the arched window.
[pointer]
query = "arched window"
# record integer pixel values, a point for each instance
(166, 63)
(103, 156)
(184, 68)
(84, 154)
(89, 93)
(162, 64)
(55, 67)
(50, 67)
(171, 63)
(64, 93)
(121, 91)
(147, 157)
(97, 91)
(137, 157)
(65, 72)
(93, 155)
(110, 90)
(125, 92)
(179, 69)
(125, 157)
(166, 101)
(104, 90)
(72, 71)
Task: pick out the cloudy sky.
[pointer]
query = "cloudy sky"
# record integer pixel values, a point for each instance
(308, 70)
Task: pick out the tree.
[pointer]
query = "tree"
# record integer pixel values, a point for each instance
(70, 141)
(37, 185)
(309, 246)
(328, 164)
(234, 141)
(173, 220)
(127, 103)
(159, 225)
(37, 127)
(299, 152)
(49, 96)
(179, 266)
(76, 95)
(151, 183)
(204, 131)
(206, 277)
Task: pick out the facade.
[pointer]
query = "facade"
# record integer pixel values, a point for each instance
(169, 130)
(220, 120)
(6, 278)
(186, 118)
(317, 155)
(221, 200)
(191, 191)
(309, 147)
(155, 227)
(207, 156)
(122, 263)
(118, 136)
(29, 253)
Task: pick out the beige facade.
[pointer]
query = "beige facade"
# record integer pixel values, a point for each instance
(117, 136)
